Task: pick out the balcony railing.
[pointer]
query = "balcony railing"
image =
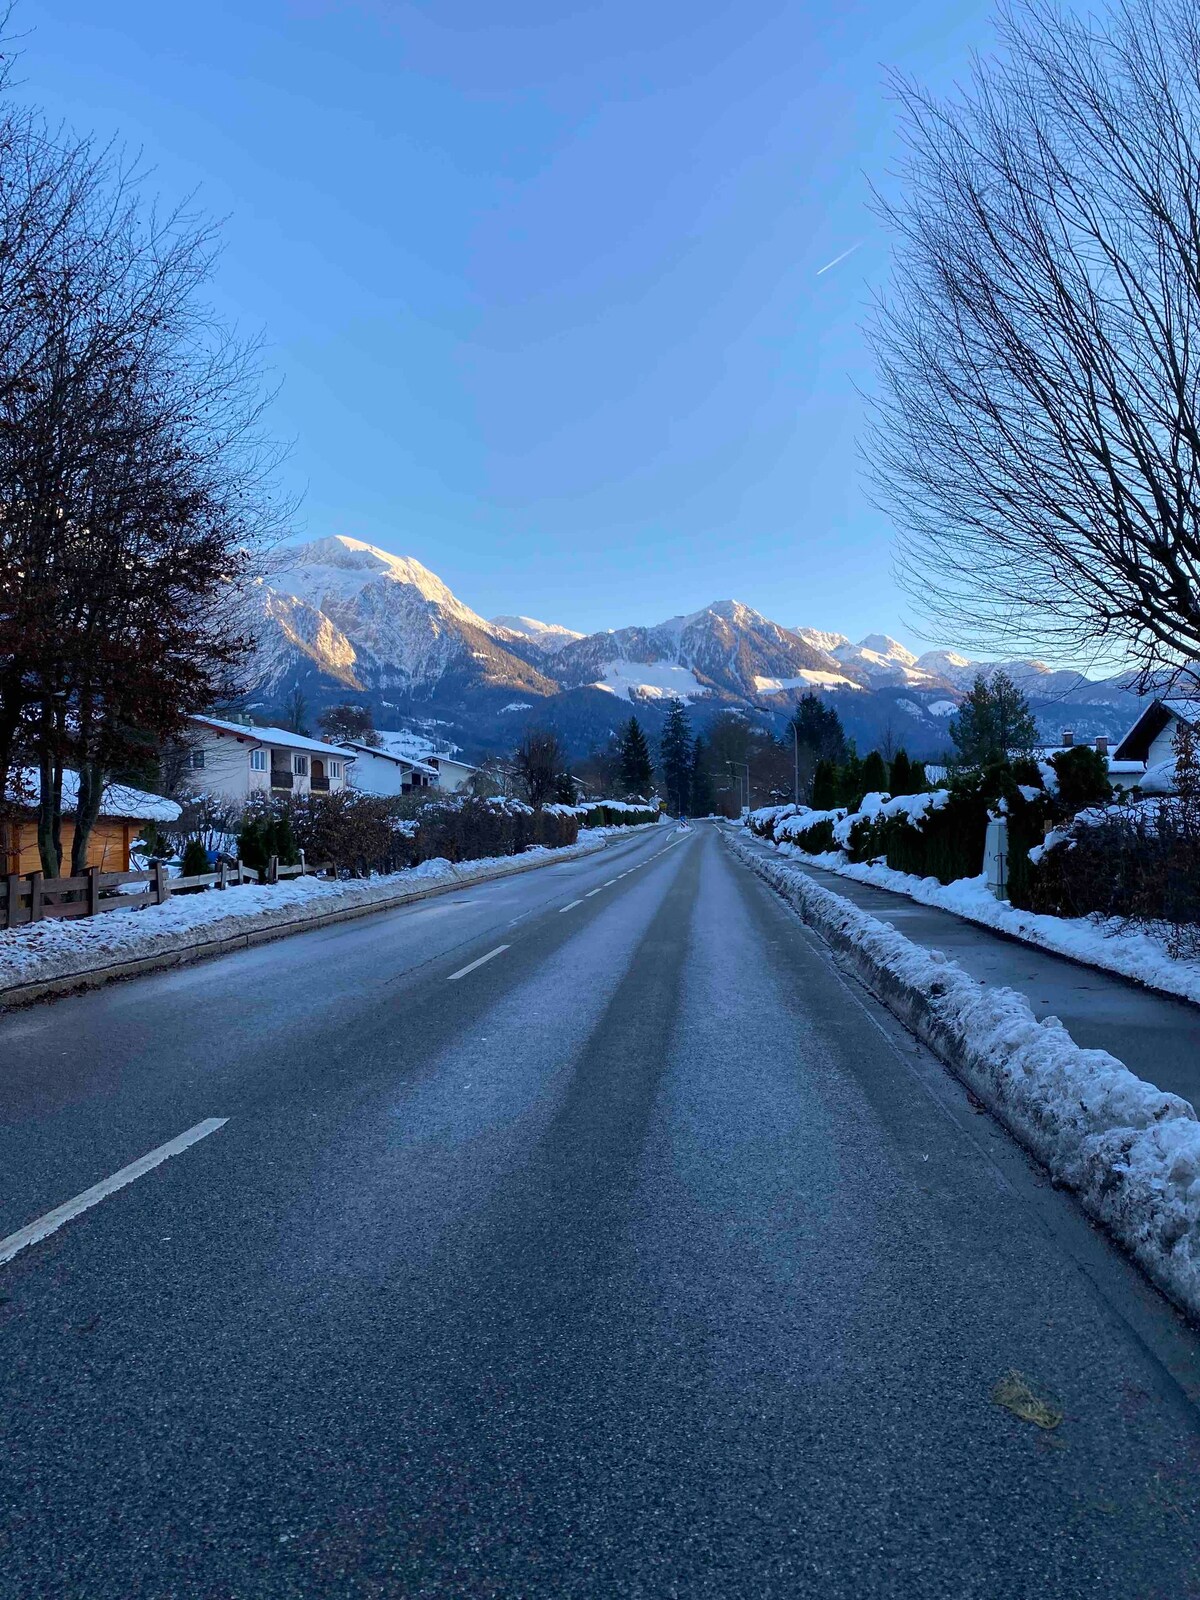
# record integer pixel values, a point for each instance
(318, 783)
(280, 779)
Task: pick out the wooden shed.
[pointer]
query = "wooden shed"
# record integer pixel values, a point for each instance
(123, 814)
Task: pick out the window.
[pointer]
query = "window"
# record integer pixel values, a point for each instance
(258, 761)
(195, 760)
(335, 769)
(300, 766)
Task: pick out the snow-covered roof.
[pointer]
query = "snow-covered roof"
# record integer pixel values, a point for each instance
(452, 761)
(119, 799)
(283, 737)
(389, 755)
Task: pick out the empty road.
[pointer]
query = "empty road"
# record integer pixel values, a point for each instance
(585, 1233)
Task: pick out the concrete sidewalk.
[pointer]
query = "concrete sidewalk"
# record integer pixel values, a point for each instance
(1156, 1037)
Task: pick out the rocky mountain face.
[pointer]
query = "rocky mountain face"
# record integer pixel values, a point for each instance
(340, 619)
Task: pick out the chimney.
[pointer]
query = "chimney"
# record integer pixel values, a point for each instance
(1102, 744)
(1068, 738)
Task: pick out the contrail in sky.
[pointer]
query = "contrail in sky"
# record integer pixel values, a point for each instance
(836, 259)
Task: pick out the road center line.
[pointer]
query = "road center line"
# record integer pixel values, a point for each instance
(470, 967)
(53, 1220)
(591, 892)
(571, 907)
(609, 883)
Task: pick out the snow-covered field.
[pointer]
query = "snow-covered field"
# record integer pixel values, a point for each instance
(56, 948)
(1131, 1152)
(1133, 953)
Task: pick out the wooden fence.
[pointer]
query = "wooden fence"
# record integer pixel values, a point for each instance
(28, 896)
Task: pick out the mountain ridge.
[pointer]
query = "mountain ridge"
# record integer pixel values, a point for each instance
(340, 618)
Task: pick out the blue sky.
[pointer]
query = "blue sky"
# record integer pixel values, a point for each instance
(540, 279)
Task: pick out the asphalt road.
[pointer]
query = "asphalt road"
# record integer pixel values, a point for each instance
(646, 1258)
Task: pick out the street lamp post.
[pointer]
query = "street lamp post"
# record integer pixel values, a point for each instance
(745, 764)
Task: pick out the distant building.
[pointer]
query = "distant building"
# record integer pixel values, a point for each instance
(1151, 741)
(238, 760)
(377, 771)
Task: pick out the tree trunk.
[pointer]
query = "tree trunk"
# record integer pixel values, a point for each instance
(91, 792)
(49, 828)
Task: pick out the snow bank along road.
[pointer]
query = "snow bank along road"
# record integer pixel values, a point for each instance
(578, 1234)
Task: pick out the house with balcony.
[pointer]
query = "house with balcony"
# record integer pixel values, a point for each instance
(238, 760)
(378, 771)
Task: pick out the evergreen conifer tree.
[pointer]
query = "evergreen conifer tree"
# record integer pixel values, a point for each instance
(993, 723)
(901, 780)
(874, 774)
(635, 767)
(825, 786)
(675, 758)
(702, 786)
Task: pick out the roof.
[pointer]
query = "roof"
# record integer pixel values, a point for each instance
(1135, 745)
(388, 755)
(268, 735)
(136, 805)
(455, 762)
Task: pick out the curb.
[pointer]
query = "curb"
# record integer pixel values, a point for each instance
(1133, 1179)
(280, 927)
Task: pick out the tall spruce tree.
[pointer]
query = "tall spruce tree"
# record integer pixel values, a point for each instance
(675, 758)
(702, 796)
(901, 781)
(635, 766)
(993, 723)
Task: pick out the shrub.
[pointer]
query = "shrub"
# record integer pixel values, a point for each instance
(1082, 777)
(195, 862)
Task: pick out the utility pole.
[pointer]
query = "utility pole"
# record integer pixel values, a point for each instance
(745, 764)
(795, 763)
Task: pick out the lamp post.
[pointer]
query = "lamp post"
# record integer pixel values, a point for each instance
(745, 764)
(795, 763)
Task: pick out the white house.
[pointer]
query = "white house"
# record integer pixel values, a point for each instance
(451, 775)
(377, 771)
(1151, 741)
(237, 760)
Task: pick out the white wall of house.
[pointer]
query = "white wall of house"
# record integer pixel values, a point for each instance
(1163, 748)
(452, 775)
(378, 774)
(238, 762)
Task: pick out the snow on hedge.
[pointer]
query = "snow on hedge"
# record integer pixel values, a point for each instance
(1137, 953)
(1131, 1151)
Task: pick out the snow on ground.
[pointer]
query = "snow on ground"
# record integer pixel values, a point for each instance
(1108, 943)
(651, 680)
(1130, 1151)
(56, 947)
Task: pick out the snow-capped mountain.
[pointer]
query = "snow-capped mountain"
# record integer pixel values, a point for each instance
(372, 621)
(548, 635)
(725, 649)
(339, 618)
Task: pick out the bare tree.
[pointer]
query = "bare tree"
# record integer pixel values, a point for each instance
(1037, 432)
(540, 761)
(132, 484)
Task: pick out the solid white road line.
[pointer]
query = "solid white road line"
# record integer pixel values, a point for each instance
(462, 971)
(571, 907)
(53, 1220)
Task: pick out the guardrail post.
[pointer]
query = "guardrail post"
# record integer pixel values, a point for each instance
(162, 884)
(93, 891)
(35, 896)
(303, 868)
(223, 882)
(273, 870)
